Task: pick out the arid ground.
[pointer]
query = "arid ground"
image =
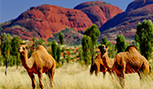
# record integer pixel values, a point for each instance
(70, 76)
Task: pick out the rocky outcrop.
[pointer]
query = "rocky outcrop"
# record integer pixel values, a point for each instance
(138, 4)
(127, 21)
(98, 11)
(45, 20)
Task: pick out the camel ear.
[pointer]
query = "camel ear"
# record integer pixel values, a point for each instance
(99, 47)
(107, 48)
(27, 47)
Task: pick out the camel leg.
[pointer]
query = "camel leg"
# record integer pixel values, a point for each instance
(139, 73)
(121, 80)
(40, 79)
(92, 69)
(143, 73)
(111, 73)
(51, 73)
(121, 76)
(104, 74)
(33, 80)
(141, 78)
(144, 70)
(97, 70)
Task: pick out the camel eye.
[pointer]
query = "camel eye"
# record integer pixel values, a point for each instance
(23, 48)
(102, 47)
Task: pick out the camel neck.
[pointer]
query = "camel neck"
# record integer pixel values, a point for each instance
(27, 63)
(107, 61)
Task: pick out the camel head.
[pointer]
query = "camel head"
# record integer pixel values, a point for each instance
(103, 49)
(23, 50)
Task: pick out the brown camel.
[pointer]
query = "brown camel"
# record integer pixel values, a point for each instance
(130, 61)
(39, 62)
(98, 66)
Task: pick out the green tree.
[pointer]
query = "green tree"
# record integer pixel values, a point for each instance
(93, 32)
(64, 57)
(54, 50)
(38, 42)
(33, 46)
(111, 50)
(80, 55)
(34, 39)
(86, 47)
(12, 60)
(1, 60)
(136, 44)
(58, 54)
(104, 40)
(120, 43)
(61, 38)
(5, 48)
(144, 36)
(15, 44)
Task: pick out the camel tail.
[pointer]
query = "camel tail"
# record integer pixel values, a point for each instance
(92, 69)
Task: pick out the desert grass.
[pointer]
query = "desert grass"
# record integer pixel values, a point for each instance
(70, 76)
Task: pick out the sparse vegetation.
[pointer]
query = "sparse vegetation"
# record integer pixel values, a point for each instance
(71, 37)
(70, 76)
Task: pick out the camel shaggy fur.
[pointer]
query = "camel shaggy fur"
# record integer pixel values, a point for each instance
(130, 61)
(98, 66)
(39, 62)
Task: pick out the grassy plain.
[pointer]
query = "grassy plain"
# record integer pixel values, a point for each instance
(70, 76)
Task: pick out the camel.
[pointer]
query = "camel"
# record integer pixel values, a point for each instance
(98, 66)
(130, 61)
(39, 62)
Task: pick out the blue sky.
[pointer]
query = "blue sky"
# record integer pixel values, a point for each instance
(11, 9)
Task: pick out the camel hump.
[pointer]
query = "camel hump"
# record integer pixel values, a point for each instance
(132, 49)
(40, 47)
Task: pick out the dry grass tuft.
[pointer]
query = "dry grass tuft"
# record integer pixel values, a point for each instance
(70, 76)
